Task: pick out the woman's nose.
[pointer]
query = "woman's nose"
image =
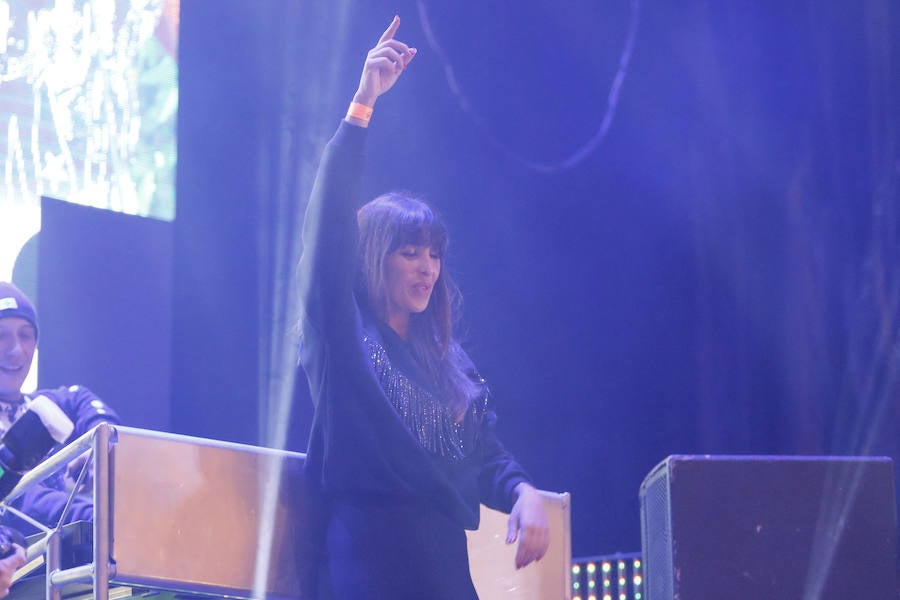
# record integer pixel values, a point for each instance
(428, 266)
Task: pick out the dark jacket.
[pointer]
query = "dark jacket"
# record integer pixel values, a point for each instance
(45, 502)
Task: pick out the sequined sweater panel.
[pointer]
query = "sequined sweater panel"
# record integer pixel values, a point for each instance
(362, 443)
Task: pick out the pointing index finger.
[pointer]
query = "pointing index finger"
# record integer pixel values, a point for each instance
(391, 30)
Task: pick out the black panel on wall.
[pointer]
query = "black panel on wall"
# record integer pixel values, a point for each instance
(216, 306)
(104, 287)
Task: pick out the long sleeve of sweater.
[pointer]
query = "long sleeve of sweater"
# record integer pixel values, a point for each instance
(327, 267)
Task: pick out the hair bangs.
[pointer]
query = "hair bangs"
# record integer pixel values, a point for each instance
(417, 224)
(429, 234)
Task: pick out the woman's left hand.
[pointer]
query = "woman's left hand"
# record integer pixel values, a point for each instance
(528, 522)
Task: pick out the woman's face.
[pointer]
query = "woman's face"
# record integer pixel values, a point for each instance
(410, 273)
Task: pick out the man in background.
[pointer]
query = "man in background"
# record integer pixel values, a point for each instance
(18, 340)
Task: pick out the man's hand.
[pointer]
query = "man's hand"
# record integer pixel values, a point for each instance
(528, 522)
(8, 566)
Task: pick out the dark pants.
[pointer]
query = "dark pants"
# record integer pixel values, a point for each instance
(384, 549)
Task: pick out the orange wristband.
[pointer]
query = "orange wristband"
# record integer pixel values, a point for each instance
(360, 111)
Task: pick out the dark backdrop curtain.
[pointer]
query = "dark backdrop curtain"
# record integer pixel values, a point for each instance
(718, 275)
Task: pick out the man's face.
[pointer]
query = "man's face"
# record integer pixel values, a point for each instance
(18, 340)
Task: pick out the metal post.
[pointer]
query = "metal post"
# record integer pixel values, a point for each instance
(53, 556)
(101, 512)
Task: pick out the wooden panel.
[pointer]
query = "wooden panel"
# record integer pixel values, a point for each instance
(197, 515)
(492, 560)
(192, 515)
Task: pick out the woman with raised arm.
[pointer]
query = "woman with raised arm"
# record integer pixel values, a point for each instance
(402, 448)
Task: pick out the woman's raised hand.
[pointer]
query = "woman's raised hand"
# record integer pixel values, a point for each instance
(384, 64)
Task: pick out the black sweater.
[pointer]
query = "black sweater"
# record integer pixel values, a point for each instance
(359, 445)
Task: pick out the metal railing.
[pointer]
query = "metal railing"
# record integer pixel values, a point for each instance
(95, 444)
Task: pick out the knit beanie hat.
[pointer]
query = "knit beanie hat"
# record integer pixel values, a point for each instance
(14, 303)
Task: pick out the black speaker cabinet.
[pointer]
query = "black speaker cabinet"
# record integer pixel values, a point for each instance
(769, 527)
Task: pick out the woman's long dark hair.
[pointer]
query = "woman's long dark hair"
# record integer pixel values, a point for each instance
(386, 223)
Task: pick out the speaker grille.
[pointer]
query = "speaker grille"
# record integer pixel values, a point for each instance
(656, 539)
